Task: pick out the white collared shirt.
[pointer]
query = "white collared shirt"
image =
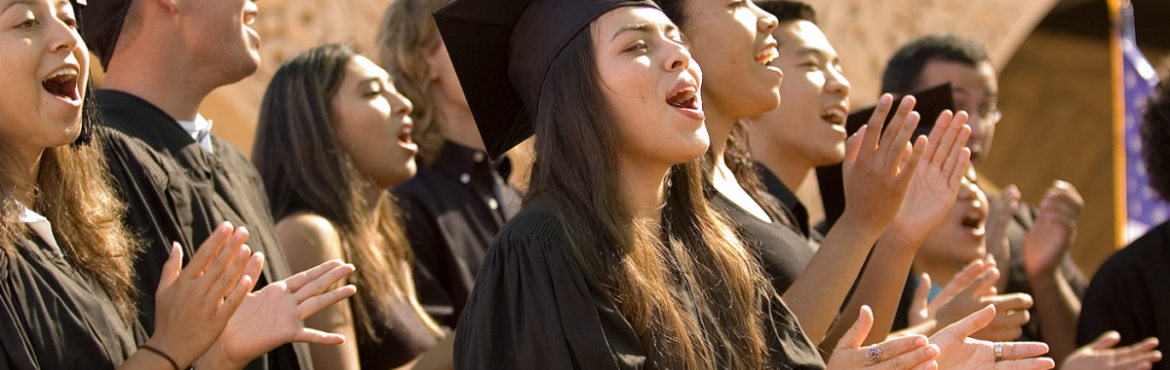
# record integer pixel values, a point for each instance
(42, 227)
(200, 131)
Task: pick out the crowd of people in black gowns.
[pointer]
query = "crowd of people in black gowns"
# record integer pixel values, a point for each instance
(648, 221)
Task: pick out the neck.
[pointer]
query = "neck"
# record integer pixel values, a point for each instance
(644, 189)
(169, 83)
(24, 188)
(457, 125)
(719, 125)
(372, 193)
(791, 169)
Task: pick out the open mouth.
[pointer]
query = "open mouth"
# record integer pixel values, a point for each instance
(686, 98)
(63, 83)
(404, 134)
(767, 55)
(974, 221)
(835, 116)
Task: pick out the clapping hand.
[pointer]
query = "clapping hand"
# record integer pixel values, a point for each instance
(208, 291)
(878, 168)
(935, 184)
(1054, 230)
(911, 352)
(272, 316)
(958, 351)
(1101, 355)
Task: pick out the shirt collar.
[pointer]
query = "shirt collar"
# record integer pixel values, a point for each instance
(199, 129)
(459, 161)
(786, 197)
(42, 227)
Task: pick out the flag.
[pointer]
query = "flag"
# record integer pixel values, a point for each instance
(1135, 80)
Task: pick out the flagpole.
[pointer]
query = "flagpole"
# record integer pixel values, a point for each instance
(1120, 211)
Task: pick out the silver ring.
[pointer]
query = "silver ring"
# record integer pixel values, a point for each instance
(874, 354)
(998, 352)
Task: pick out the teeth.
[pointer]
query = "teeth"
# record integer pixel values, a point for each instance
(767, 56)
(68, 71)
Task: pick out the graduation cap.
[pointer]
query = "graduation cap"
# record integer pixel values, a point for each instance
(106, 18)
(501, 51)
(930, 104)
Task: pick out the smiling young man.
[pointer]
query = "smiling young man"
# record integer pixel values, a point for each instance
(162, 59)
(808, 129)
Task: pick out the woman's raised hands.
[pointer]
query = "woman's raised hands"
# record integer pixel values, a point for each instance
(911, 352)
(194, 306)
(272, 316)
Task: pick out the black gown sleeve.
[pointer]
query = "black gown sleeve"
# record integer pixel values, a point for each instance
(534, 308)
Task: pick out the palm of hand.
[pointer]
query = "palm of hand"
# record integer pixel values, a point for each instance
(265, 320)
(964, 353)
(1046, 243)
(930, 196)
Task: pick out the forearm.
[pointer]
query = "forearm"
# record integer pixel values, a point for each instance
(880, 288)
(819, 291)
(1057, 308)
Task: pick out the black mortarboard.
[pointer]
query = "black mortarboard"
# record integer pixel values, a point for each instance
(930, 104)
(105, 24)
(501, 51)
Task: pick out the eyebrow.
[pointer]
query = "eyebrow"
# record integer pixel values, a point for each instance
(640, 27)
(12, 3)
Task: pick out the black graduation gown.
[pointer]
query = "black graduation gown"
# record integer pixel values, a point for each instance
(54, 317)
(792, 204)
(1129, 294)
(782, 251)
(178, 192)
(450, 221)
(533, 307)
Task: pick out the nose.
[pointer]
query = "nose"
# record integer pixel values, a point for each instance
(63, 38)
(400, 104)
(837, 83)
(678, 58)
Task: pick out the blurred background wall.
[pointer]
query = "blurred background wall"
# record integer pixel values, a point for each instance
(1053, 57)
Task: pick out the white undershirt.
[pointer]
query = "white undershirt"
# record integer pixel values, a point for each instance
(200, 131)
(42, 227)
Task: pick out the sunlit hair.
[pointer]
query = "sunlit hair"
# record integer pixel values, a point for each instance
(407, 35)
(737, 152)
(647, 270)
(306, 170)
(75, 192)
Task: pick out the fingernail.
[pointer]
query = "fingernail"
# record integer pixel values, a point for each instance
(227, 227)
(887, 99)
(920, 341)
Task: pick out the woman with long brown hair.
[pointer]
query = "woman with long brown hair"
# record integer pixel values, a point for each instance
(617, 260)
(68, 300)
(333, 135)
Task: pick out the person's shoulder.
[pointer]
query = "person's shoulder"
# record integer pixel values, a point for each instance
(309, 237)
(536, 220)
(1149, 251)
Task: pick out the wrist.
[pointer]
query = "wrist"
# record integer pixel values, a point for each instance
(858, 226)
(168, 351)
(1044, 276)
(216, 358)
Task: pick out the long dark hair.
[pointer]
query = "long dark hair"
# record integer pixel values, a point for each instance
(305, 169)
(74, 191)
(693, 249)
